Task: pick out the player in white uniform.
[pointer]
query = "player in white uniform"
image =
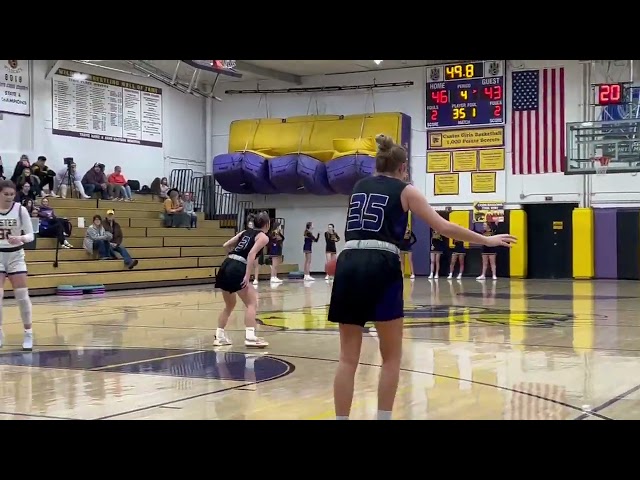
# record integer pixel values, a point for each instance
(16, 229)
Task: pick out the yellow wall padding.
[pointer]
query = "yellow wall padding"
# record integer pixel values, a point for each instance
(459, 217)
(407, 265)
(517, 314)
(319, 136)
(518, 266)
(583, 309)
(583, 243)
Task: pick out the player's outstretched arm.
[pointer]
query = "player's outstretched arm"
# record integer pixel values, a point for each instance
(417, 203)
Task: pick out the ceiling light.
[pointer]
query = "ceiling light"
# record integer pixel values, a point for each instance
(377, 62)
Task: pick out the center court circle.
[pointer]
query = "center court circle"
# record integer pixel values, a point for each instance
(214, 365)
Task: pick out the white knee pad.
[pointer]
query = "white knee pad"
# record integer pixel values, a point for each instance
(24, 304)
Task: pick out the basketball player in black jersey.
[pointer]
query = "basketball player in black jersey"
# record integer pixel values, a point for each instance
(233, 277)
(368, 284)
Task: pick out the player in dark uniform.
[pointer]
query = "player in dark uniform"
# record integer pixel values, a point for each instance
(368, 284)
(489, 252)
(233, 277)
(330, 251)
(276, 239)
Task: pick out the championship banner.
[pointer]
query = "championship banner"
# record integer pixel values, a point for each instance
(15, 90)
(488, 212)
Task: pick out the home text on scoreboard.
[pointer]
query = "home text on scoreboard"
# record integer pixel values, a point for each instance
(466, 94)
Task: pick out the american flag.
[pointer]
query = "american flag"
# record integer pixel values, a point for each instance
(538, 405)
(537, 125)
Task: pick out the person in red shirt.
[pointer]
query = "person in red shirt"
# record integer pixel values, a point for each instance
(117, 183)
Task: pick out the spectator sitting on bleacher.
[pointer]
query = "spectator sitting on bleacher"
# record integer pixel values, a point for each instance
(44, 175)
(52, 226)
(96, 181)
(62, 180)
(26, 177)
(110, 225)
(25, 193)
(119, 186)
(189, 209)
(164, 188)
(97, 239)
(30, 205)
(174, 215)
(21, 165)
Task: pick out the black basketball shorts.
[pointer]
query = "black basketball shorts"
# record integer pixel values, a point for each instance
(367, 287)
(230, 275)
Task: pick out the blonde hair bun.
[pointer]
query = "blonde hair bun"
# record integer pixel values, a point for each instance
(385, 143)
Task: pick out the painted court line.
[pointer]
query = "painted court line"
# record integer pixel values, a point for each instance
(291, 368)
(608, 403)
(36, 415)
(567, 405)
(146, 360)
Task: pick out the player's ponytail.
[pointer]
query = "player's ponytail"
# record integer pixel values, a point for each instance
(390, 156)
(261, 220)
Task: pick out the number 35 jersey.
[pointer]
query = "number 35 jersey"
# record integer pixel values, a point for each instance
(375, 210)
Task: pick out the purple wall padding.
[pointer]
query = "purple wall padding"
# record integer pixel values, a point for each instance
(606, 255)
(422, 247)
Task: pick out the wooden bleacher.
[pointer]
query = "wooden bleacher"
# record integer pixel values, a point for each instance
(167, 256)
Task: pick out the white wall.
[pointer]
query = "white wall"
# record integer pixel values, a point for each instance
(514, 189)
(184, 134)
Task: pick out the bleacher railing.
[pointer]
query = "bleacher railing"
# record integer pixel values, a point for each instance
(210, 198)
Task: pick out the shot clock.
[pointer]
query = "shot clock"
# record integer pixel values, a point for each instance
(465, 94)
(610, 94)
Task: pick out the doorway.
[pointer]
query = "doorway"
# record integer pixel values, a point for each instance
(549, 227)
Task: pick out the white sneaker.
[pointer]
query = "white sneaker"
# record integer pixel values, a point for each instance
(412, 277)
(275, 280)
(309, 278)
(481, 277)
(255, 282)
(435, 276)
(459, 277)
(450, 276)
(495, 278)
(27, 344)
(256, 342)
(222, 341)
(327, 277)
(430, 275)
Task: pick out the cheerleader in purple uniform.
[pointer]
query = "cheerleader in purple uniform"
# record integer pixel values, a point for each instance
(309, 239)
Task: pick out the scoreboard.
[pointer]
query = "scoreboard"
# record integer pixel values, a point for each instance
(466, 94)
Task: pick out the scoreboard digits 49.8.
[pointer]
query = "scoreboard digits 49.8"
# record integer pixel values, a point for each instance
(463, 94)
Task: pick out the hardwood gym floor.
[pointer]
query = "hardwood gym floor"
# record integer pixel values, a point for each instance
(505, 350)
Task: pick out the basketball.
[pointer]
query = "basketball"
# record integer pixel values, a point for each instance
(330, 267)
